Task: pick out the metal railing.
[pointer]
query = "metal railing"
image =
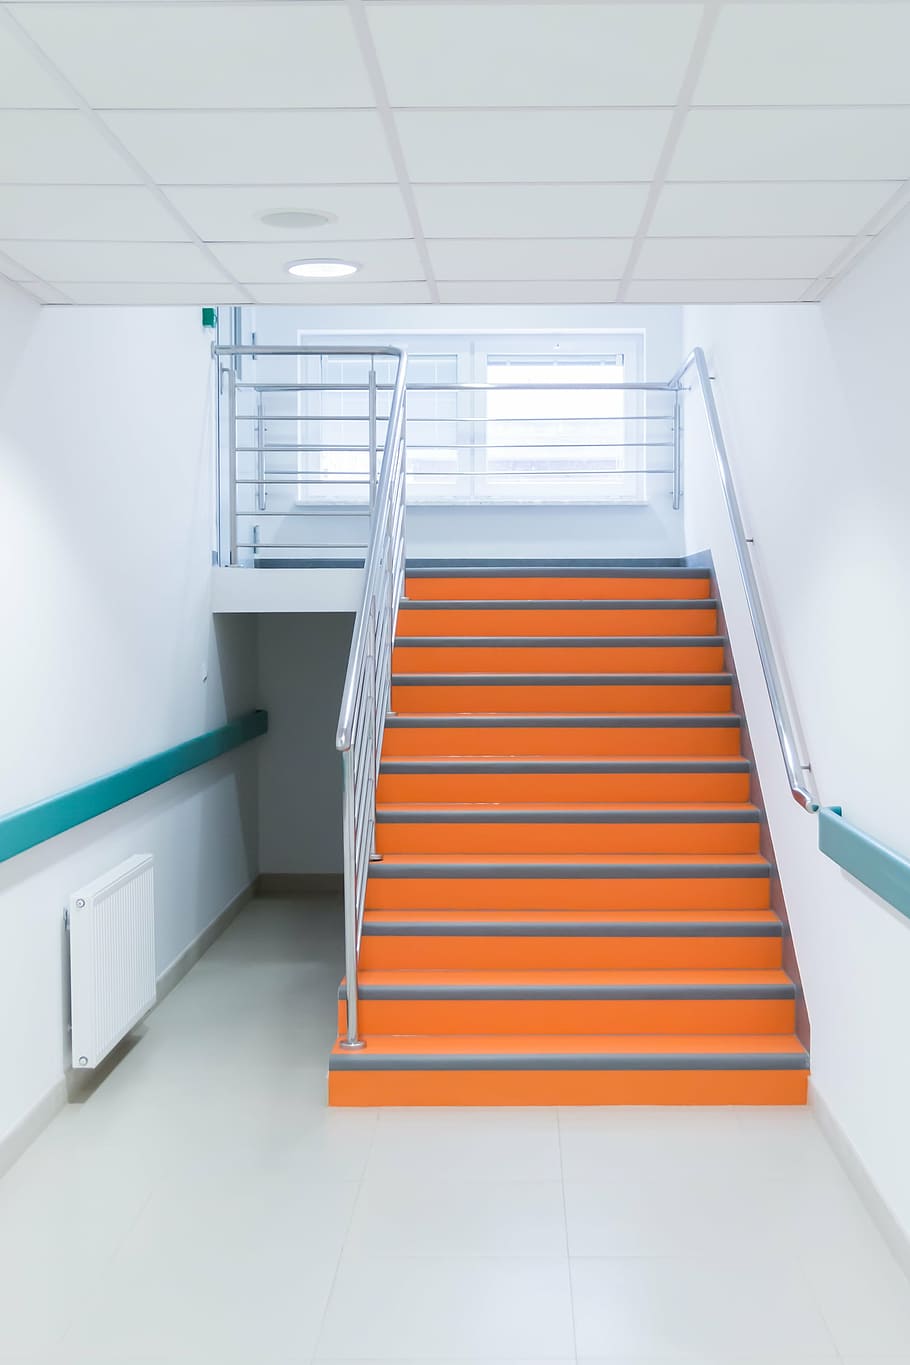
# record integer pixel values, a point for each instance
(367, 686)
(301, 431)
(799, 770)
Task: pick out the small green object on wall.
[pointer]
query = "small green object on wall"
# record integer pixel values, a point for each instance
(210, 317)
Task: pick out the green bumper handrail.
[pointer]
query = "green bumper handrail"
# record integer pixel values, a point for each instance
(883, 870)
(23, 829)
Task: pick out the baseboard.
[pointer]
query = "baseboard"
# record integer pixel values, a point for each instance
(18, 1139)
(178, 969)
(300, 883)
(894, 1233)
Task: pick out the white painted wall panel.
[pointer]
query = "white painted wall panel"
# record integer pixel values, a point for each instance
(813, 398)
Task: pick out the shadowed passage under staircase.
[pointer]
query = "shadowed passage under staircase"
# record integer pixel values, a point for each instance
(571, 906)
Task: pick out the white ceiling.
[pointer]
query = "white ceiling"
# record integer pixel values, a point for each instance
(468, 151)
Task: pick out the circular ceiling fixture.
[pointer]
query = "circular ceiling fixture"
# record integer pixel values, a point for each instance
(322, 269)
(296, 219)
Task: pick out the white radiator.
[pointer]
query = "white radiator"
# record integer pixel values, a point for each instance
(112, 957)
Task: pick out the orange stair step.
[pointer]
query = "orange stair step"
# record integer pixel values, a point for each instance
(630, 693)
(518, 654)
(492, 828)
(560, 882)
(549, 583)
(557, 618)
(565, 1069)
(553, 779)
(565, 942)
(566, 736)
(590, 1001)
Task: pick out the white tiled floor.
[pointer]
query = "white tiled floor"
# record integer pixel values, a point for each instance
(204, 1207)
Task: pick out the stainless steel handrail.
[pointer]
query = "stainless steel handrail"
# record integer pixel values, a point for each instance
(366, 697)
(799, 773)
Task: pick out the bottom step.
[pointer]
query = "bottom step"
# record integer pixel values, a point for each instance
(583, 1069)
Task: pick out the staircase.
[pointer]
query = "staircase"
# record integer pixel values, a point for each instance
(571, 906)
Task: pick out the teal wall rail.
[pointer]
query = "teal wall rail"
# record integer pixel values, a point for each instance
(23, 829)
(881, 869)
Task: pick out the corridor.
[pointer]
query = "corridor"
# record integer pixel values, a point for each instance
(203, 1206)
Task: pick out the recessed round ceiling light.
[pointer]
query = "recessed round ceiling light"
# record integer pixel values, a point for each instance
(322, 270)
(295, 218)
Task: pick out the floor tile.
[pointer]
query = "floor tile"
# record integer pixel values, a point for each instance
(440, 1309)
(466, 1144)
(692, 1309)
(654, 1212)
(865, 1299)
(447, 1218)
(602, 1143)
(197, 1302)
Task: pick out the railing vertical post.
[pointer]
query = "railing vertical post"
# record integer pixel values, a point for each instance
(372, 436)
(351, 1038)
(677, 449)
(260, 453)
(232, 467)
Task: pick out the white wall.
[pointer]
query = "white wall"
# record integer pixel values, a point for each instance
(813, 402)
(110, 652)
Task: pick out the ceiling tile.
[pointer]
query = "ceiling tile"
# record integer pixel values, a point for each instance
(58, 262)
(530, 210)
(535, 292)
(540, 54)
(256, 148)
(716, 291)
(86, 212)
(190, 295)
(343, 292)
(533, 145)
(233, 214)
(379, 261)
(529, 260)
(793, 144)
(790, 208)
(24, 83)
(49, 146)
(203, 57)
(808, 54)
(731, 258)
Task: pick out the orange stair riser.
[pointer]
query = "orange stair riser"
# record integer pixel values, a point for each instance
(567, 838)
(597, 621)
(572, 1016)
(435, 788)
(558, 741)
(523, 589)
(562, 699)
(568, 893)
(486, 953)
(558, 658)
(371, 1088)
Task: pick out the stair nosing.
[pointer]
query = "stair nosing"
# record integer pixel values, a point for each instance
(560, 641)
(568, 1061)
(544, 764)
(558, 604)
(580, 871)
(570, 720)
(562, 679)
(427, 991)
(504, 816)
(732, 929)
(545, 569)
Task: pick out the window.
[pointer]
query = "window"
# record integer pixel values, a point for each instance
(489, 420)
